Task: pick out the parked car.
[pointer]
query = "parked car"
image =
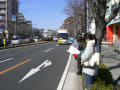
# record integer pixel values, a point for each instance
(29, 40)
(18, 40)
(36, 39)
(22, 41)
(15, 41)
(55, 38)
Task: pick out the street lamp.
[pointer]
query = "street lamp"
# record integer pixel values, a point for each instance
(14, 19)
(32, 29)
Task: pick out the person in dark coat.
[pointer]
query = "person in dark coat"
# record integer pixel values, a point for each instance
(82, 45)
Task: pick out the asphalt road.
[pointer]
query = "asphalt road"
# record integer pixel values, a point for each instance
(26, 68)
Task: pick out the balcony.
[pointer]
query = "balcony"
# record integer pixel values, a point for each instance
(2, 12)
(2, 0)
(2, 5)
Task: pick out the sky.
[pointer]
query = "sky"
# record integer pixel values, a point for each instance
(47, 14)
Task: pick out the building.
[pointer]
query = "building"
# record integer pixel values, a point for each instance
(113, 28)
(27, 28)
(70, 26)
(20, 26)
(24, 27)
(8, 8)
(47, 35)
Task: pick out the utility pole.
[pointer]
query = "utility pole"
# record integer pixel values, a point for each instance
(87, 16)
(85, 4)
(15, 24)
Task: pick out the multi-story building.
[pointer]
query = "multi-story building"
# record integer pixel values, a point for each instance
(20, 17)
(24, 27)
(8, 8)
(70, 26)
(113, 28)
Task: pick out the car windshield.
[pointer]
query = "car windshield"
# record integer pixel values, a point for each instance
(63, 35)
(15, 39)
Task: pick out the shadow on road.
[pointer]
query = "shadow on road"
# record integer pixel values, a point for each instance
(114, 67)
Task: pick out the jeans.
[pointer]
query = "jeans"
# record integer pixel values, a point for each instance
(89, 80)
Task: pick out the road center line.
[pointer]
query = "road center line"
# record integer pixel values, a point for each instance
(48, 50)
(13, 67)
(6, 60)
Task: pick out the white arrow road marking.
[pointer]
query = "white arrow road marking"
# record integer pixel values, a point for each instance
(48, 50)
(6, 60)
(35, 70)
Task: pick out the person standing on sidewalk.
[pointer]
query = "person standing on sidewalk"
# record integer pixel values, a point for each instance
(81, 47)
(90, 73)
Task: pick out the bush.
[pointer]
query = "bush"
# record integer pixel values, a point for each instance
(104, 79)
(101, 85)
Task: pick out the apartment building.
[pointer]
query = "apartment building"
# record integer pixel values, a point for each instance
(24, 27)
(8, 8)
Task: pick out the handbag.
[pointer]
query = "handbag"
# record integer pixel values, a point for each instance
(93, 61)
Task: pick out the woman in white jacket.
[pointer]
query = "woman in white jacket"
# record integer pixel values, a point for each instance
(89, 72)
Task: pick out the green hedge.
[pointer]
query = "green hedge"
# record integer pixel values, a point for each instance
(104, 79)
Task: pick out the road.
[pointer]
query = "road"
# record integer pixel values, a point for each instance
(26, 68)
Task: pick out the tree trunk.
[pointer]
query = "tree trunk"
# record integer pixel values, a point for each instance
(100, 27)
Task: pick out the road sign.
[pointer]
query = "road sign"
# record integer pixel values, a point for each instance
(0, 30)
(2, 26)
(1, 21)
(13, 17)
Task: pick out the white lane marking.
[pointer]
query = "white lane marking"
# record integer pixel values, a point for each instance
(48, 50)
(35, 70)
(62, 81)
(6, 60)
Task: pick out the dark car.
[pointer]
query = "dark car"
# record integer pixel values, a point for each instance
(29, 40)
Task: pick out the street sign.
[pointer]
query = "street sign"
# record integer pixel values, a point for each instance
(0, 30)
(14, 17)
(2, 26)
(1, 21)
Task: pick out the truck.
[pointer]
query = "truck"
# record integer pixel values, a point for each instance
(47, 36)
(63, 36)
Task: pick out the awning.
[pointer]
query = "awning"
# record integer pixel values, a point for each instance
(113, 22)
(116, 20)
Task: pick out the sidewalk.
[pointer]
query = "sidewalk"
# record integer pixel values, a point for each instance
(108, 57)
(73, 81)
(111, 59)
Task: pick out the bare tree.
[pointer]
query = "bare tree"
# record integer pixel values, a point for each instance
(75, 9)
(99, 8)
